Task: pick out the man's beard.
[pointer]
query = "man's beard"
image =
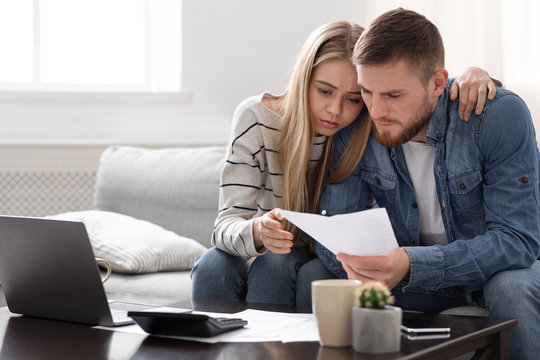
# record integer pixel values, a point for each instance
(384, 137)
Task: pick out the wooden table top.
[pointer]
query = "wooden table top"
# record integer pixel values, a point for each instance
(24, 337)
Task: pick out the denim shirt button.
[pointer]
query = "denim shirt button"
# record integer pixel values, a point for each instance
(378, 181)
(439, 135)
(462, 185)
(525, 179)
(414, 205)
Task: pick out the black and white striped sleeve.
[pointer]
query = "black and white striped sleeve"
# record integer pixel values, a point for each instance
(242, 182)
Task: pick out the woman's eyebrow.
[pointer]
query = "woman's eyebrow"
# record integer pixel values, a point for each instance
(326, 83)
(335, 87)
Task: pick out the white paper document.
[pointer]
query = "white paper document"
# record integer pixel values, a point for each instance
(363, 233)
(262, 326)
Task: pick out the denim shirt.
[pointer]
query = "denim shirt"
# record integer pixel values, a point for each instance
(487, 179)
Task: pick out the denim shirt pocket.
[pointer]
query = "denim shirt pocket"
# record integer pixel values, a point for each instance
(382, 185)
(466, 196)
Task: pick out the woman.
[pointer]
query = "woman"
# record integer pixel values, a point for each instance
(279, 157)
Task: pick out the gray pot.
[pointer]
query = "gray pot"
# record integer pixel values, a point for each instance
(376, 331)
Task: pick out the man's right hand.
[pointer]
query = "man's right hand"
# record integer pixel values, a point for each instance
(268, 232)
(389, 268)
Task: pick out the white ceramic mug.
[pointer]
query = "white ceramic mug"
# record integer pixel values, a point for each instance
(333, 300)
(105, 263)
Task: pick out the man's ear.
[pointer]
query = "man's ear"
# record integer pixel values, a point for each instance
(438, 81)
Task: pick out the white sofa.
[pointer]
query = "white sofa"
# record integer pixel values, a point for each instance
(175, 188)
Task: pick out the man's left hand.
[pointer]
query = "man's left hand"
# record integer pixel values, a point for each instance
(389, 268)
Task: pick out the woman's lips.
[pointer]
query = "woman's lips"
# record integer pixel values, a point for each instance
(329, 124)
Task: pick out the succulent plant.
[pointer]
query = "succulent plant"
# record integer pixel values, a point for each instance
(374, 295)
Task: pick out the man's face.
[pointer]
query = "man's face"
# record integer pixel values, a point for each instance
(399, 104)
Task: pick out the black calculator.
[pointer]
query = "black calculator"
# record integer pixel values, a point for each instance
(184, 324)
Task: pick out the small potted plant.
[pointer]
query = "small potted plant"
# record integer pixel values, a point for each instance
(376, 324)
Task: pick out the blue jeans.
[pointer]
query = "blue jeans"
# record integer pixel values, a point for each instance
(271, 278)
(516, 294)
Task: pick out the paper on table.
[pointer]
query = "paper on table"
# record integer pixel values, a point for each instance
(285, 327)
(262, 326)
(364, 233)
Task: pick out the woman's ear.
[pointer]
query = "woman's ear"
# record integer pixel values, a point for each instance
(438, 80)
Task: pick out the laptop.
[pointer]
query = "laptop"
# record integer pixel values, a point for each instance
(48, 270)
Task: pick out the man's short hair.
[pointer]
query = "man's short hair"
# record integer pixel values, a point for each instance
(401, 34)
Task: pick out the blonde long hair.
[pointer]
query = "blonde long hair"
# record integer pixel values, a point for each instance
(302, 187)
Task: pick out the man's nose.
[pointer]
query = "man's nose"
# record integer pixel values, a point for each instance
(377, 108)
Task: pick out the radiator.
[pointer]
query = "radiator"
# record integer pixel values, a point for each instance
(39, 182)
(40, 193)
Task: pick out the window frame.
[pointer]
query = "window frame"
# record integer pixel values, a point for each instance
(36, 87)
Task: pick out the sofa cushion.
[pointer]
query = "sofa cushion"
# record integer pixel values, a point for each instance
(176, 188)
(135, 246)
(170, 284)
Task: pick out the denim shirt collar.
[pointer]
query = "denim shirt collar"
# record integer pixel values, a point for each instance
(436, 131)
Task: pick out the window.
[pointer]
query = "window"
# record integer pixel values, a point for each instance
(98, 45)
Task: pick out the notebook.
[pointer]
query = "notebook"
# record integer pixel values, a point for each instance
(48, 270)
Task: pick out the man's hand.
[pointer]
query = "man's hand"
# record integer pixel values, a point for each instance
(389, 268)
(268, 232)
(472, 87)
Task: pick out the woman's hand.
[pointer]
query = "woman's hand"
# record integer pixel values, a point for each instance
(472, 87)
(268, 232)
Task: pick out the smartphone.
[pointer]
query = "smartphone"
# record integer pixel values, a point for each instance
(416, 324)
(425, 330)
(427, 336)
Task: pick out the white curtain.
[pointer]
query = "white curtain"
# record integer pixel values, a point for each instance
(501, 36)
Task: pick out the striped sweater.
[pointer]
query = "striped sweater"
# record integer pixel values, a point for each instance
(251, 180)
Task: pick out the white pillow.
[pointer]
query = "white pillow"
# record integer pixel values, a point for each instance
(135, 246)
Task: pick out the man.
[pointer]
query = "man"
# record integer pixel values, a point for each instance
(463, 197)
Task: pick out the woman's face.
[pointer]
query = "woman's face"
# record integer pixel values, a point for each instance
(334, 96)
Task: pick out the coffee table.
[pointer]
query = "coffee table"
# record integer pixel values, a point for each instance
(22, 337)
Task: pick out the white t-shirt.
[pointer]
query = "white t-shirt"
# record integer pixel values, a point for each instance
(419, 158)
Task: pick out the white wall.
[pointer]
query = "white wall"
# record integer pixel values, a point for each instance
(232, 49)
(241, 48)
